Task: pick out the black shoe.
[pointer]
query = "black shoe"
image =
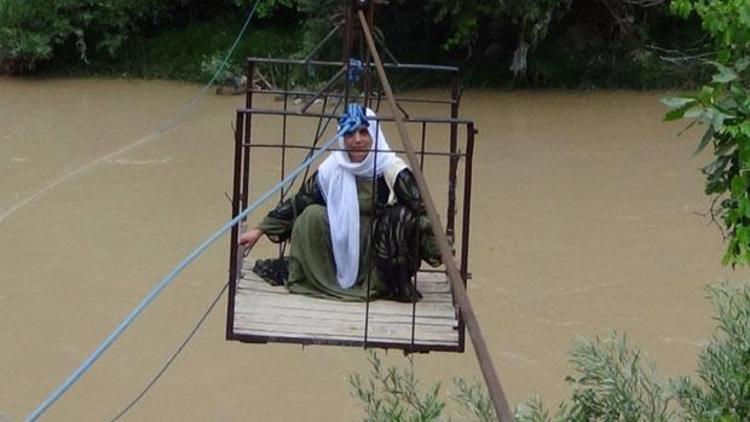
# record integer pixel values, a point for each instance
(398, 280)
(273, 271)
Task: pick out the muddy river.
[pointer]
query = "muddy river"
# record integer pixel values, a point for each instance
(587, 217)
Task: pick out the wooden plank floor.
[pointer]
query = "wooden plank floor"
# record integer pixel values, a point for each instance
(270, 313)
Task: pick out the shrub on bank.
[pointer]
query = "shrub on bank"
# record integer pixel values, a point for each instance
(611, 381)
(31, 30)
(570, 43)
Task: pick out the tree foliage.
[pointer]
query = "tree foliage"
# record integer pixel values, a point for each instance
(727, 21)
(543, 42)
(31, 30)
(723, 106)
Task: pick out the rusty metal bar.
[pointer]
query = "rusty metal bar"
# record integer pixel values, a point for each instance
(318, 133)
(233, 239)
(313, 148)
(370, 260)
(465, 219)
(406, 347)
(346, 55)
(450, 223)
(282, 192)
(405, 66)
(367, 84)
(499, 401)
(325, 88)
(301, 93)
(245, 191)
(411, 119)
(381, 40)
(322, 43)
(421, 148)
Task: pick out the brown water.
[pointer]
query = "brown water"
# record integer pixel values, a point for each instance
(584, 219)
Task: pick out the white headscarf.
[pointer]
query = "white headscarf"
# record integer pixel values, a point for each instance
(337, 179)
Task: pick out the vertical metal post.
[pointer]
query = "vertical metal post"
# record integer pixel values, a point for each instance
(422, 144)
(371, 259)
(367, 85)
(348, 42)
(499, 401)
(245, 192)
(282, 193)
(465, 223)
(233, 245)
(450, 229)
(250, 74)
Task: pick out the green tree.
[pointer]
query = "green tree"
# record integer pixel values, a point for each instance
(723, 105)
(31, 30)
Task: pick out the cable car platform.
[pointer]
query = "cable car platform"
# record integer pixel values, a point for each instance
(265, 313)
(260, 313)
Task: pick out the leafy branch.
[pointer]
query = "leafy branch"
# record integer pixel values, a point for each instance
(723, 106)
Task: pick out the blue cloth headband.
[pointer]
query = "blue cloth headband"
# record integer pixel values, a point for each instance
(353, 119)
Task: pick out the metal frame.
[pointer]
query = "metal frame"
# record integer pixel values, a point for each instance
(244, 143)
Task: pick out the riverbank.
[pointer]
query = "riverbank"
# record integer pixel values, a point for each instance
(195, 51)
(190, 54)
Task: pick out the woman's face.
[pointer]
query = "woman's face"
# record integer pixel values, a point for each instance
(358, 144)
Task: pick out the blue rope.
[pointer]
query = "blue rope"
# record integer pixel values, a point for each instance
(168, 279)
(173, 357)
(170, 123)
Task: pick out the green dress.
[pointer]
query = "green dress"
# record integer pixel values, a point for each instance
(312, 270)
(303, 220)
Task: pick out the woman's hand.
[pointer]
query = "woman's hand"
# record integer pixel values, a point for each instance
(250, 238)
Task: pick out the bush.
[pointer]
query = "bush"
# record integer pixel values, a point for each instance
(610, 381)
(31, 30)
(393, 394)
(723, 106)
(390, 395)
(723, 392)
(28, 31)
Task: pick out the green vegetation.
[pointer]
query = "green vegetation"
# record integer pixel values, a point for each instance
(723, 105)
(191, 54)
(393, 394)
(35, 30)
(570, 43)
(723, 392)
(611, 381)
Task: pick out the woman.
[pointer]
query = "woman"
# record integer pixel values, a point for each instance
(379, 233)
